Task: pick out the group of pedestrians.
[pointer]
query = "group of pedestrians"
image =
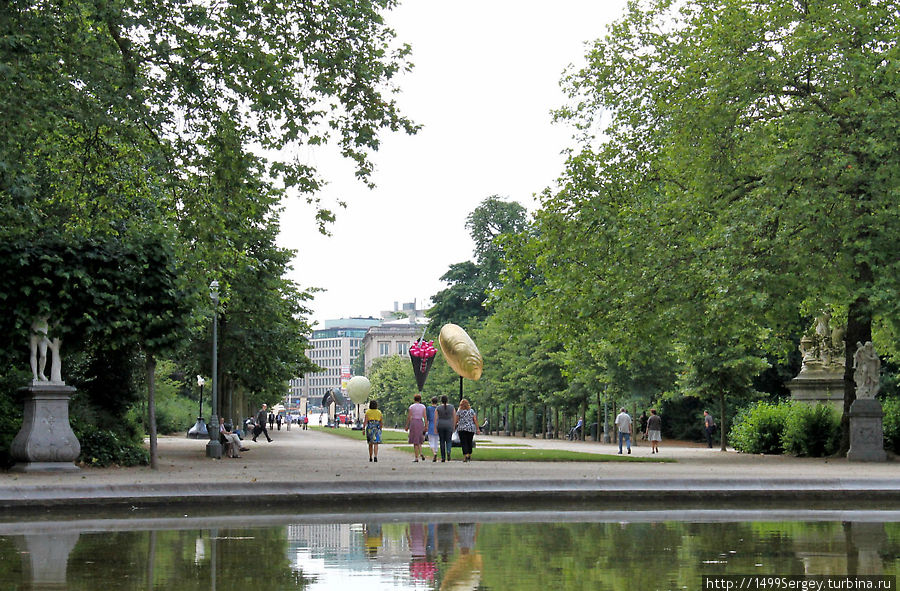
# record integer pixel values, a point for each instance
(436, 423)
(651, 428)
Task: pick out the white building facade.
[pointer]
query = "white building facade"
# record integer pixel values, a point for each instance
(334, 348)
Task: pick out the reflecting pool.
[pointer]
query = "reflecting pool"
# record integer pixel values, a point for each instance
(640, 550)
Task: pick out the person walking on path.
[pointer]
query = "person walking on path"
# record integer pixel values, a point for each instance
(623, 425)
(433, 439)
(466, 427)
(709, 425)
(305, 422)
(261, 418)
(654, 431)
(446, 419)
(642, 421)
(288, 419)
(271, 421)
(417, 425)
(372, 424)
(278, 422)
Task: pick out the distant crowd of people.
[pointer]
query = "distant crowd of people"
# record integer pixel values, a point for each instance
(442, 425)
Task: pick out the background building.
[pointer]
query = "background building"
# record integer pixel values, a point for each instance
(390, 339)
(336, 346)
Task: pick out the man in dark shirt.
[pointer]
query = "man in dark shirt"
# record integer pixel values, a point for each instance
(261, 418)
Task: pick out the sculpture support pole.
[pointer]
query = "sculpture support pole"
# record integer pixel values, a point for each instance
(460, 387)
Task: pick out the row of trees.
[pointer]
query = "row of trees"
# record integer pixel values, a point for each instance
(734, 171)
(127, 184)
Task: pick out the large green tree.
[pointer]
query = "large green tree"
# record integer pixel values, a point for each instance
(737, 165)
(128, 121)
(463, 301)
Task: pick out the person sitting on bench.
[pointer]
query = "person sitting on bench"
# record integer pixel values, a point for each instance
(231, 441)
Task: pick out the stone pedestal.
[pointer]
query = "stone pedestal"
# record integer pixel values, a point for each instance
(45, 442)
(819, 387)
(866, 435)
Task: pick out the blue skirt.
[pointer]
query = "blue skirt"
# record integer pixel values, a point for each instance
(373, 432)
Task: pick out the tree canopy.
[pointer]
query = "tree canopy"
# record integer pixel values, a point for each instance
(145, 151)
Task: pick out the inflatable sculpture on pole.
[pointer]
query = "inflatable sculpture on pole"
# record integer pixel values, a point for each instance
(422, 356)
(461, 353)
(358, 389)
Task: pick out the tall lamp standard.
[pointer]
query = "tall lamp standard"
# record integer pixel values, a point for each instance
(199, 430)
(200, 382)
(214, 448)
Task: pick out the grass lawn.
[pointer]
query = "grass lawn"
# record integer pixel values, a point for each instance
(490, 454)
(496, 452)
(387, 436)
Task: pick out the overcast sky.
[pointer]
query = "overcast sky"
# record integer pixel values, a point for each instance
(486, 77)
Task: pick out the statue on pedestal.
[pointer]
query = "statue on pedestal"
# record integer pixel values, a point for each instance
(867, 370)
(823, 350)
(39, 342)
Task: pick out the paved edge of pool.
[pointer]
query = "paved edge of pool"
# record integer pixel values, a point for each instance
(534, 491)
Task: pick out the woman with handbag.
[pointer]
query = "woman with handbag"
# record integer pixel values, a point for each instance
(417, 425)
(466, 426)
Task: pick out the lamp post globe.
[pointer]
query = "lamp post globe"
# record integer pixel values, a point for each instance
(214, 448)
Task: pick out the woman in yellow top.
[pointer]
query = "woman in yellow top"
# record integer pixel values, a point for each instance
(372, 425)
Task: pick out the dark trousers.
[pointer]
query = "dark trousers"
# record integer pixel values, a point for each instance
(263, 431)
(465, 442)
(709, 432)
(445, 436)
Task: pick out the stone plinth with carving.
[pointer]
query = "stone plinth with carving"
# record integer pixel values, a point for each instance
(46, 442)
(821, 377)
(866, 431)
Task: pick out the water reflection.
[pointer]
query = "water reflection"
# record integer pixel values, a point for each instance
(441, 552)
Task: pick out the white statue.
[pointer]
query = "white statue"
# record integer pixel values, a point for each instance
(867, 370)
(39, 343)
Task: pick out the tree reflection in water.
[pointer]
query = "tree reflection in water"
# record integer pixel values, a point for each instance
(441, 555)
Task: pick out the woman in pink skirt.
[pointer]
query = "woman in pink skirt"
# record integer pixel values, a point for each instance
(417, 425)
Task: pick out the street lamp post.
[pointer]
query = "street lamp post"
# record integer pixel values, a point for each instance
(200, 382)
(214, 448)
(199, 431)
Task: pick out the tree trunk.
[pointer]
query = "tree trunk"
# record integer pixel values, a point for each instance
(151, 410)
(599, 436)
(722, 422)
(584, 419)
(524, 420)
(506, 421)
(556, 424)
(859, 330)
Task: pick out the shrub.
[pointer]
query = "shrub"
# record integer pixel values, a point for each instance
(891, 425)
(813, 431)
(759, 428)
(105, 448)
(175, 415)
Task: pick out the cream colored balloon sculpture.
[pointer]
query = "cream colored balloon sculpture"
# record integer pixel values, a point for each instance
(460, 352)
(358, 388)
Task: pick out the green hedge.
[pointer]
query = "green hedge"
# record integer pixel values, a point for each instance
(787, 427)
(891, 408)
(105, 448)
(813, 431)
(759, 428)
